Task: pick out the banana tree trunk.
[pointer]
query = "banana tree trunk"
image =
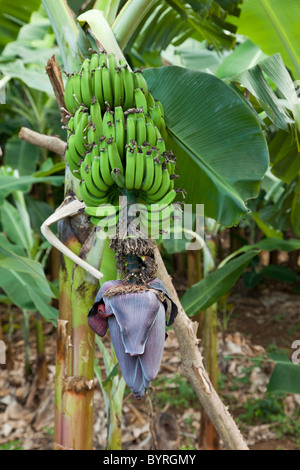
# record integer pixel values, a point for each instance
(75, 340)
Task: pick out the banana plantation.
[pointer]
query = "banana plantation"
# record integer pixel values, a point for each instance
(149, 227)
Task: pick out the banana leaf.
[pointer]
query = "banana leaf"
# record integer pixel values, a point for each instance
(222, 155)
(274, 27)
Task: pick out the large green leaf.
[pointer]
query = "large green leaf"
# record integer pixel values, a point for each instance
(286, 375)
(8, 184)
(21, 155)
(13, 16)
(12, 225)
(274, 27)
(10, 259)
(244, 56)
(211, 288)
(222, 154)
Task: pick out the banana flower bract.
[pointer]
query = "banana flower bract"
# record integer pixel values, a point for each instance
(136, 316)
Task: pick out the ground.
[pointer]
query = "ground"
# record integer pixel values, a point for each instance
(253, 322)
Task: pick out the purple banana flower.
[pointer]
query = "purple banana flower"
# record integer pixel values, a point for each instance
(136, 317)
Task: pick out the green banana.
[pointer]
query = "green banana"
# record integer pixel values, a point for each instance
(130, 129)
(105, 167)
(94, 63)
(157, 177)
(107, 86)
(78, 115)
(139, 169)
(103, 59)
(80, 133)
(104, 210)
(127, 78)
(85, 65)
(149, 171)
(108, 223)
(118, 177)
(70, 102)
(150, 100)
(140, 100)
(108, 125)
(120, 135)
(118, 88)
(96, 118)
(86, 87)
(158, 103)
(155, 114)
(97, 86)
(77, 89)
(96, 174)
(130, 168)
(112, 65)
(113, 155)
(87, 197)
(87, 176)
(72, 163)
(141, 129)
(140, 82)
(163, 189)
(151, 134)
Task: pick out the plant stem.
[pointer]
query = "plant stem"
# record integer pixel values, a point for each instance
(26, 326)
(129, 18)
(192, 368)
(41, 359)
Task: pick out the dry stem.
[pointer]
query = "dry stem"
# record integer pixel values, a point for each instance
(192, 368)
(49, 142)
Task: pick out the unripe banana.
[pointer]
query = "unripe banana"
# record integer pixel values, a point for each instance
(85, 65)
(140, 82)
(97, 89)
(118, 177)
(163, 189)
(80, 133)
(157, 177)
(105, 167)
(140, 100)
(112, 65)
(130, 129)
(94, 63)
(96, 118)
(87, 176)
(86, 87)
(78, 115)
(155, 114)
(87, 197)
(149, 171)
(150, 100)
(107, 86)
(118, 88)
(128, 82)
(139, 168)
(120, 130)
(151, 134)
(77, 89)
(108, 125)
(70, 102)
(113, 155)
(141, 130)
(130, 167)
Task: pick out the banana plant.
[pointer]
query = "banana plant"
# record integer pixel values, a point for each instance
(22, 268)
(200, 126)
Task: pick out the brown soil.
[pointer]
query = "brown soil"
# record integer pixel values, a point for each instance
(257, 319)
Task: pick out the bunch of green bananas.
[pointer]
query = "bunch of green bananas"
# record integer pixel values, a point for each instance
(116, 136)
